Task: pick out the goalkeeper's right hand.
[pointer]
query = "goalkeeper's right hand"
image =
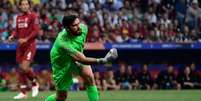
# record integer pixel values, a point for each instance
(110, 56)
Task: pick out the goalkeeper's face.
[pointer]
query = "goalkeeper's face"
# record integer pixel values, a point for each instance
(75, 27)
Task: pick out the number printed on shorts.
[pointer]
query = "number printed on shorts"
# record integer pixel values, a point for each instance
(29, 56)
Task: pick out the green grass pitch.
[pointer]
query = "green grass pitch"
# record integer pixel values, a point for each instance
(159, 95)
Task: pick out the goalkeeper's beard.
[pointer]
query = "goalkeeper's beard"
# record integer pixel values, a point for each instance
(75, 33)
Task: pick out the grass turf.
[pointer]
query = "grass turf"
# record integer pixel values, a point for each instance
(160, 95)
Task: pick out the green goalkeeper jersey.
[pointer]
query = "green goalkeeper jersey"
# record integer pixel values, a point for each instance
(65, 46)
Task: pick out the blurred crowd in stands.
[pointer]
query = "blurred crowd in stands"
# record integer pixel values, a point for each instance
(114, 21)
(119, 77)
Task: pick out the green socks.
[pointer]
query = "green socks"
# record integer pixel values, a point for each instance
(51, 98)
(93, 93)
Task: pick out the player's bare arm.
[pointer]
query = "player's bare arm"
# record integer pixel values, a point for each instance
(22, 40)
(111, 55)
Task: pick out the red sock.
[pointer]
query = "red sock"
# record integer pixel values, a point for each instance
(34, 83)
(23, 81)
(31, 77)
(23, 89)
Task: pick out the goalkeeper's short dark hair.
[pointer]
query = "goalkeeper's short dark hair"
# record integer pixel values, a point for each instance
(68, 20)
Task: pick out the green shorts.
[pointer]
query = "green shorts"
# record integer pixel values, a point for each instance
(63, 76)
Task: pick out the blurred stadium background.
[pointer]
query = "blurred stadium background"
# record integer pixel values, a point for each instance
(159, 43)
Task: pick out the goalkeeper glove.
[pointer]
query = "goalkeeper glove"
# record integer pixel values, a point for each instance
(110, 56)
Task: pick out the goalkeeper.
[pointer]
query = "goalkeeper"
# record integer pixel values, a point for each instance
(67, 59)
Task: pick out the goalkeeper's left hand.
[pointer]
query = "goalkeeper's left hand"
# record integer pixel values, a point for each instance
(110, 56)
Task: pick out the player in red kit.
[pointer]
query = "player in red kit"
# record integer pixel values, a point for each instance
(27, 27)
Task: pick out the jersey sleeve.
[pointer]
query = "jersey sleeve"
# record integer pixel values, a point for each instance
(67, 47)
(35, 27)
(84, 29)
(15, 30)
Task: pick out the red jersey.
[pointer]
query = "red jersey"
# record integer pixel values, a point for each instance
(27, 26)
